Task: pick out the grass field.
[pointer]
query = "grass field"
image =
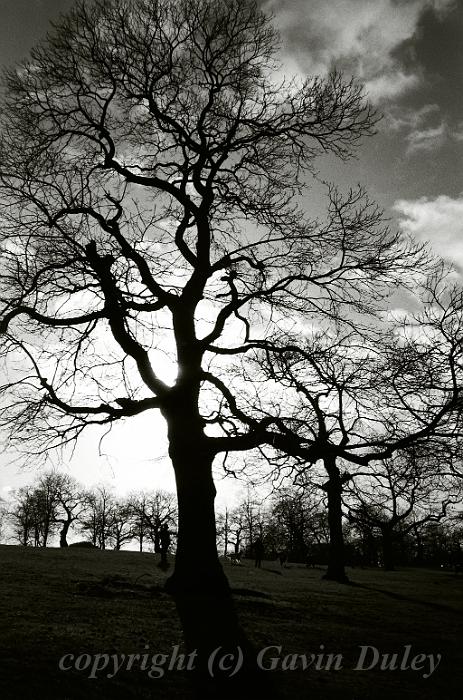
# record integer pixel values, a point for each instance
(56, 602)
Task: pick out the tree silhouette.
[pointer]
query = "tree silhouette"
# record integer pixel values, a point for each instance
(356, 397)
(97, 517)
(3, 515)
(22, 516)
(120, 527)
(401, 496)
(66, 500)
(148, 512)
(151, 168)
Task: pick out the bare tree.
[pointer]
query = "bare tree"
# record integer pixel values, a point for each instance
(150, 177)
(299, 515)
(149, 511)
(20, 515)
(251, 515)
(3, 515)
(439, 543)
(356, 397)
(223, 530)
(30, 515)
(96, 518)
(119, 528)
(138, 504)
(402, 495)
(161, 511)
(64, 499)
(230, 527)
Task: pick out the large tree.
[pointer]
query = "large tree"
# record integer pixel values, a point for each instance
(151, 172)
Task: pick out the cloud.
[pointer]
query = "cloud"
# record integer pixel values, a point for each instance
(423, 129)
(410, 119)
(426, 139)
(390, 84)
(457, 133)
(358, 36)
(438, 221)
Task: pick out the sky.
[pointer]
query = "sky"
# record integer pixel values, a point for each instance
(409, 56)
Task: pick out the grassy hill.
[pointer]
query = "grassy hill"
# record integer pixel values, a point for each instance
(79, 602)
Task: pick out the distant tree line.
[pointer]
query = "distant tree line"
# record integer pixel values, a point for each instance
(405, 514)
(415, 527)
(56, 505)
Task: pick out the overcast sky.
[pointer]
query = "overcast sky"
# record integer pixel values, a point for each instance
(409, 54)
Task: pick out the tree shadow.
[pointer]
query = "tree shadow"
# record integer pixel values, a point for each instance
(404, 598)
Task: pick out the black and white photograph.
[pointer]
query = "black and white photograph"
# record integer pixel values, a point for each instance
(231, 349)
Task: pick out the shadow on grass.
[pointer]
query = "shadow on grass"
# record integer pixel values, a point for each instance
(401, 597)
(270, 571)
(251, 593)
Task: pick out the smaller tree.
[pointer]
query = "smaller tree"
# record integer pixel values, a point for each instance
(348, 395)
(33, 514)
(3, 517)
(96, 517)
(439, 543)
(161, 511)
(223, 530)
(47, 503)
(149, 512)
(402, 495)
(71, 499)
(253, 519)
(230, 529)
(138, 505)
(22, 516)
(54, 500)
(296, 514)
(119, 524)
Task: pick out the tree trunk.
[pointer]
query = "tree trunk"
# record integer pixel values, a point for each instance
(336, 556)
(198, 584)
(388, 549)
(63, 542)
(225, 534)
(46, 530)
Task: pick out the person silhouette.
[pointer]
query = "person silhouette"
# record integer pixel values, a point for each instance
(258, 552)
(164, 537)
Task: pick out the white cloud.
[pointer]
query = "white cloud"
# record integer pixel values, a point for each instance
(457, 133)
(425, 129)
(438, 221)
(358, 35)
(426, 139)
(390, 84)
(400, 118)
